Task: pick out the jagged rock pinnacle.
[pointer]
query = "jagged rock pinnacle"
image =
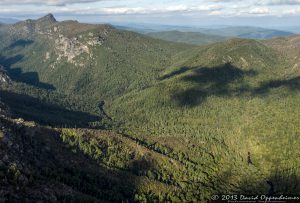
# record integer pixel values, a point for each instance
(48, 18)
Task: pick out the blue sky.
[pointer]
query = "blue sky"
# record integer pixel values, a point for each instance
(269, 13)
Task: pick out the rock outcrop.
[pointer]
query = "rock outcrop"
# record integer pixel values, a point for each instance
(69, 48)
(47, 19)
(4, 78)
(30, 27)
(70, 38)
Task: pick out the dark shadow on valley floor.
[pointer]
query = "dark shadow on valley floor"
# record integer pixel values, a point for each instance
(20, 43)
(17, 74)
(31, 108)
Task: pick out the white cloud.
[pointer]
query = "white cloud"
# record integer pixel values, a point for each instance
(283, 2)
(148, 10)
(223, 1)
(45, 2)
(216, 13)
(260, 11)
(294, 11)
(224, 8)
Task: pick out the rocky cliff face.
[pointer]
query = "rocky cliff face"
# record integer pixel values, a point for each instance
(70, 48)
(4, 110)
(70, 38)
(4, 79)
(47, 19)
(30, 27)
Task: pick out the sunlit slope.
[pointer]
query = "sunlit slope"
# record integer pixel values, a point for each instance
(231, 99)
(82, 165)
(221, 118)
(77, 58)
(290, 49)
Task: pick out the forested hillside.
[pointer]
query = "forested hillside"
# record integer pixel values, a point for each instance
(75, 58)
(195, 38)
(241, 106)
(117, 116)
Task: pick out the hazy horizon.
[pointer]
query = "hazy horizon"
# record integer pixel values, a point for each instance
(270, 13)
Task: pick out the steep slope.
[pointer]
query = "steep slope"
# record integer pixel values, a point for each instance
(195, 38)
(49, 107)
(56, 165)
(187, 122)
(232, 99)
(288, 46)
(202, 73)
(75, 58)
(4, 78)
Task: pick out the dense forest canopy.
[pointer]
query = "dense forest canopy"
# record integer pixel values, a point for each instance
(98, 113)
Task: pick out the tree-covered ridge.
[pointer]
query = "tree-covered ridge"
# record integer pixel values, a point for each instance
(195, 38)
(44, 164)
(182, 122)
(240, 103)
(76, 58)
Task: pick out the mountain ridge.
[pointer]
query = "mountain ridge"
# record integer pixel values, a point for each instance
(195, 38)
(178, 122)
(48, 18)
(223, 30)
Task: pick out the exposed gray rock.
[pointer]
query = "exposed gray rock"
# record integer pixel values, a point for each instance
(4, 78)
(47, 19)
(69, 48)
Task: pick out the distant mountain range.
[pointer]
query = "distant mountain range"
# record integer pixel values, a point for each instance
(8, 20)
(293, 29)
(207, 36)
(195, 38)
(224, 31)
(248, 32)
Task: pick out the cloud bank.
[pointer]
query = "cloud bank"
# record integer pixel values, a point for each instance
(284, 2)
(45, 2)
(150, 9)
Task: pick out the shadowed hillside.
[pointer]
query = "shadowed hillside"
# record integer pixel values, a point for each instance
(60, 53)
(159, 121)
